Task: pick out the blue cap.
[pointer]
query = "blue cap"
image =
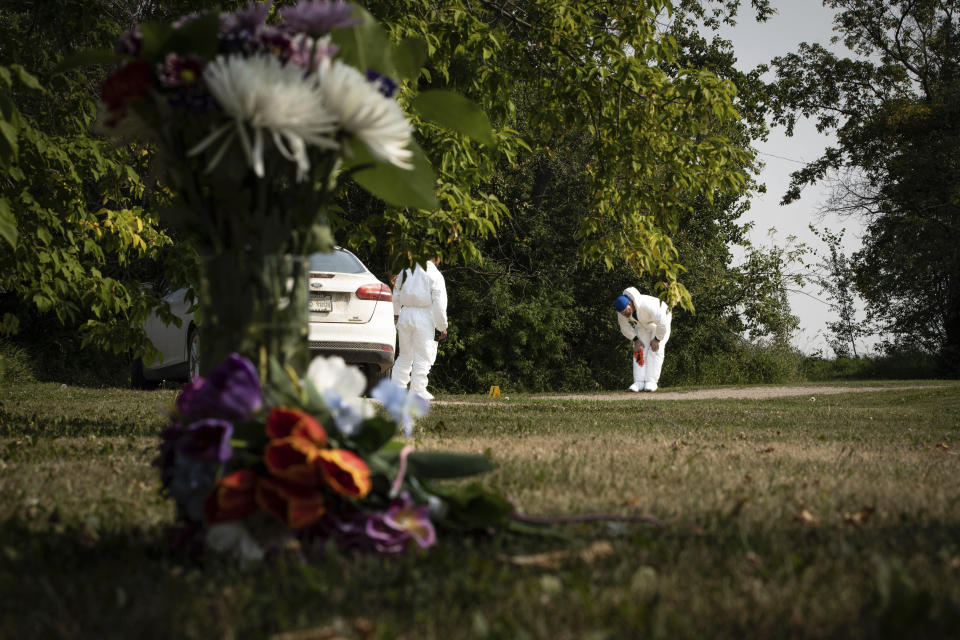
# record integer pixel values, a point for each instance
(621, 303)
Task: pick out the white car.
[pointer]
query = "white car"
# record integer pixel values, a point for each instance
(350, 315)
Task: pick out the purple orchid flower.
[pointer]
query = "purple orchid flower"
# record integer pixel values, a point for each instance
(402, 523)
(319, 17)
(207, 439)
(230, 392)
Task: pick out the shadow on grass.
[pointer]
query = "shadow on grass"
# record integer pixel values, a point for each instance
(75, 583)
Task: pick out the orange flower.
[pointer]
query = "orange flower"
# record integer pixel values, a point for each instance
(284, 422)
(345, 472)
(293, 459)
(293, 505)
(232, 498)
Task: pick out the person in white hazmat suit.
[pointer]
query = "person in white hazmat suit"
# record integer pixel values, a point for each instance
(645, 321)
(420, 305)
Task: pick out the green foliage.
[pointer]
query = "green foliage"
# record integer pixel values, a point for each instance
(78, 230)
(895, 107)
(15, 365)
(651, 137)
(835, 277)
(895, 365)
(533, 316)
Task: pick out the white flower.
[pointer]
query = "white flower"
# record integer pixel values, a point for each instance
(365, 113)
(340, 385)
(232, 537)
(262, 95)
(334, 373)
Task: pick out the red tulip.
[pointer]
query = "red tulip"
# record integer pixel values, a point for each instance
(284, 422)
(232, 497)
(345, 472)
(293, 459)
(294, 505)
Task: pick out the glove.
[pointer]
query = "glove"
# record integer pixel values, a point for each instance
(638, 356)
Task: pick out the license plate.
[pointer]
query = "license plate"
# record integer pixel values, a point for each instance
(321, 304)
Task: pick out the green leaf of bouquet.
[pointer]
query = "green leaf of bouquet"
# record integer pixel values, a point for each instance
(314, 401)
(374, 433)
(199, 36)
(8, 223)
(365, 46)
(453, 111)
(89, 57)
(396, 186)
(281, 386)
(472, 506)
(153, 36)
(409, 56)
(443, 464)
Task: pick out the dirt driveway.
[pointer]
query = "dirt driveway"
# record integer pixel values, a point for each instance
(742, 393)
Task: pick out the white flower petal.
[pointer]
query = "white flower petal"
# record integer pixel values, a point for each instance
(333, 373)
(365, 113)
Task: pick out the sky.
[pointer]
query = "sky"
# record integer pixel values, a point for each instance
(755, 43)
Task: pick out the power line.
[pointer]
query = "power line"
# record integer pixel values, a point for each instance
(773, 155)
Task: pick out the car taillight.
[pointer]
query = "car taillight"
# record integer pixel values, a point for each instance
(377, 291)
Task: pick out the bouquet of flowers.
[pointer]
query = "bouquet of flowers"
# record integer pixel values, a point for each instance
(308, 463)
(257, 117)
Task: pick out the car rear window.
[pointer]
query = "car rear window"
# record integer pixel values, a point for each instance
(336, 262)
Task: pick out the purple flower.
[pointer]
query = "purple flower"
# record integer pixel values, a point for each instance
(401, 527)
(168, 449)
(129, 42)
(385, 84)
(249, 19)
(230, 392)
(273, 41)
(187, 19)
(318, 17)
(393, 531)
(207, 439)
(302, 48)
(177, 71)
(347, 529)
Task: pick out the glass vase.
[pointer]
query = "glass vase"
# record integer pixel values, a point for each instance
(254, 305)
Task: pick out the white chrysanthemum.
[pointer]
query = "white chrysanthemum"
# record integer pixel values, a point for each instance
(262, 95)
(367, 114)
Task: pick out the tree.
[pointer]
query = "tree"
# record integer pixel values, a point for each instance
(72, 213)
(533, 316)
(835, 277)
(652, 127)
(895, 107)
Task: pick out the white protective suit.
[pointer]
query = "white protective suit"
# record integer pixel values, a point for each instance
(420, 302)
(652, 320)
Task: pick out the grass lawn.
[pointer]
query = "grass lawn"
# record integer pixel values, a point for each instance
(804, 517)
